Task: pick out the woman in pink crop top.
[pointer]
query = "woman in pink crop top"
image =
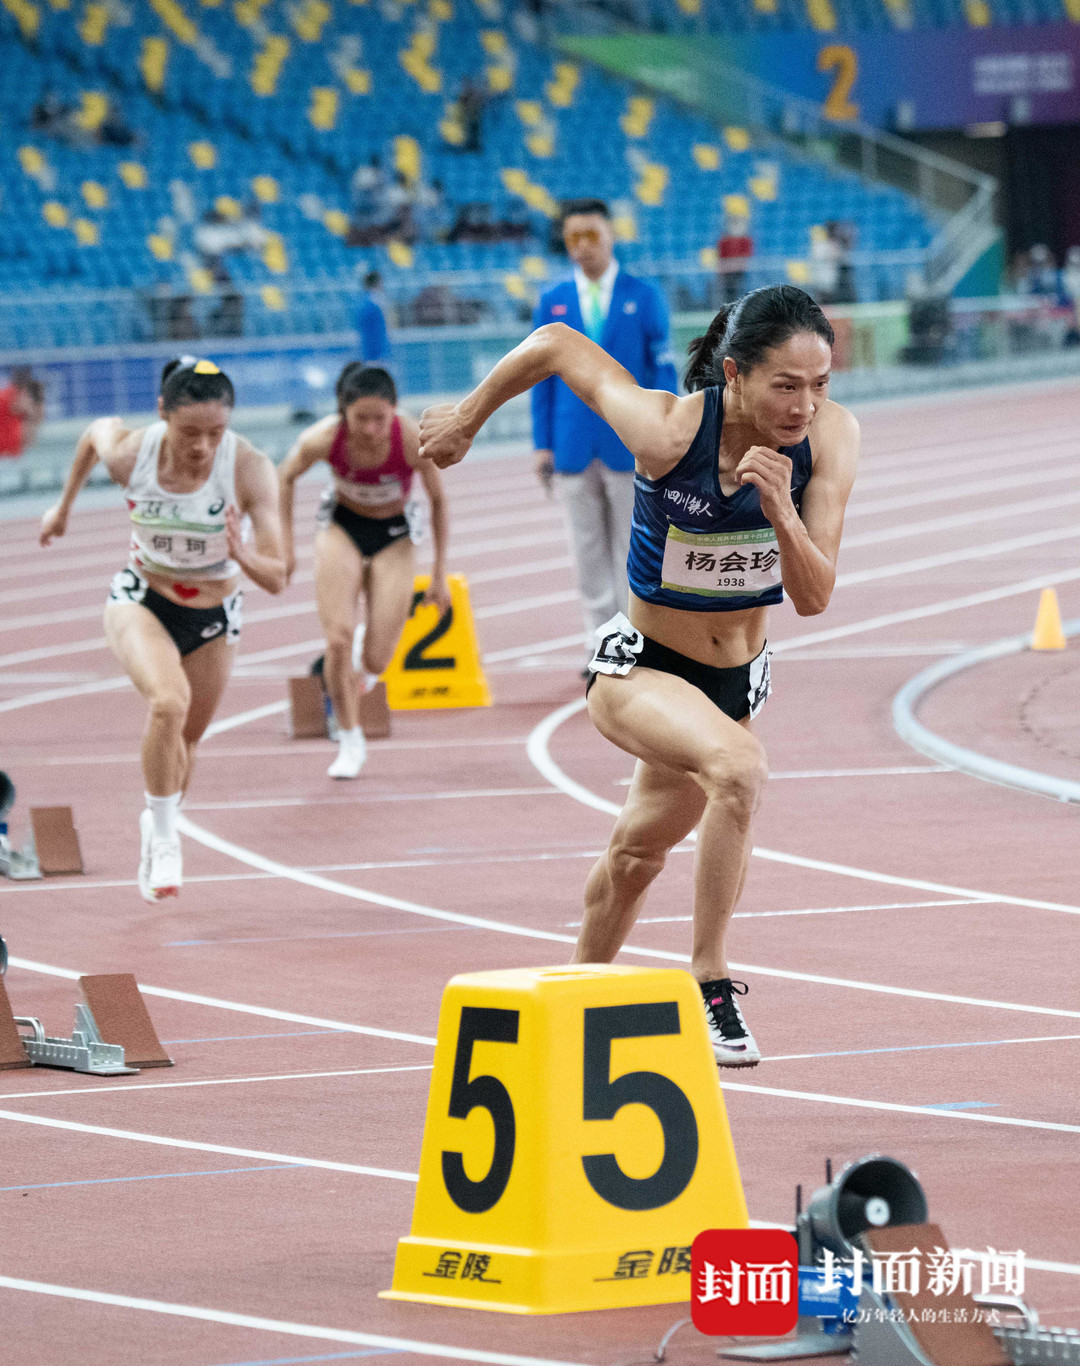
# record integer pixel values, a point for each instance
(367, 530)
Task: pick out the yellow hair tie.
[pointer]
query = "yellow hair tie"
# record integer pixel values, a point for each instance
(206, 367)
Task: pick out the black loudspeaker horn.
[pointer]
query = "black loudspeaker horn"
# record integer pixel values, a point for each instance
(7, 795)
(873, 1192)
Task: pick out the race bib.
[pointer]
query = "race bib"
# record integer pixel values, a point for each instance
(174, 544)
(729, 564)
(618, 648)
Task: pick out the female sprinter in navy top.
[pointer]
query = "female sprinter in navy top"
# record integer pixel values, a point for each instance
(741, 487)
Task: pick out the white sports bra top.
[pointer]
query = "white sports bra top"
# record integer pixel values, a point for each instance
(181, 533)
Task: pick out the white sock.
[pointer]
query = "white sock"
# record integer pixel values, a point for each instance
(369, 681)
(351, 739)
(164, 811)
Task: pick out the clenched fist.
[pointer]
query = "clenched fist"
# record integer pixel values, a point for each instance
(770, 473)
(443, 439)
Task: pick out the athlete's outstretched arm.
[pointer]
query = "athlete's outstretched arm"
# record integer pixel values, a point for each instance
(98, 442)
(307, 450)
(439, 592)
(257, 494)
(654, 425)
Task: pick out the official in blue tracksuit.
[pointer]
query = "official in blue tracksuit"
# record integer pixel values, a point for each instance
(592, 468)
(371, 322)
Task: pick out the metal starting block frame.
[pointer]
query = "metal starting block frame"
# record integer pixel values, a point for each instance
(85, 1051)
(19, 867)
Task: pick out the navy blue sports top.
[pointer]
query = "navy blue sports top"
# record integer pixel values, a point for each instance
(701, 550)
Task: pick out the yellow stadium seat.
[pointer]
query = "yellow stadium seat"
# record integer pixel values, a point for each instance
(203, 155)
(493, 41)
(228, 207)
(706, 156)
(94, 22)
(738, 139)
(821, 14)
(92, 111)
(652, 183)
(266, 189)
(500, 79)
(765, 6)
(639, 115)
(690, 6)
(32, 160)
(624, 226)
(530, 112)
(978, 13)
(763, 187)
(95, 195)
(161, 247)
(1072, 9)
(172, 15)
(798, 272)
(268, 63)
(273, 298)
(54, 214)
(274, 256)
(152, 60)
(87, 233)
(59, 4)
(442, 11)
(451, 129)
(336, 222)
(709, 258)
(560, 90)
(737, 206)
(357, 80)
(535, 267)
(133, 174)
(400, 253)
(416, 61)
(26, 15)
(902, 17)
(323, 110)
(515, 286)
(407, 157)
(211, 4)
(200, 279)
(541, 143)
(515, 181)
(310, 18)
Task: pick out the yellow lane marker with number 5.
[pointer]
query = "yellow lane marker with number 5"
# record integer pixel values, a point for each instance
(437, 660)
(576, 1143)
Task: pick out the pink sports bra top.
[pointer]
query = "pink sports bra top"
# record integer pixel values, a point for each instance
(382, 486)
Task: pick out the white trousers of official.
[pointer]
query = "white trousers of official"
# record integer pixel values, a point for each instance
(599, 504)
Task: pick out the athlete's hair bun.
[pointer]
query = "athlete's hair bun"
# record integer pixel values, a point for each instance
(358, 380)
(745, 330)
(188, 380)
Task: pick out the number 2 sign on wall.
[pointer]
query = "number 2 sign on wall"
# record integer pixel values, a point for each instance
(576, 1143)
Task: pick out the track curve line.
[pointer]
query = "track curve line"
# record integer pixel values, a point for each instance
(969, 761)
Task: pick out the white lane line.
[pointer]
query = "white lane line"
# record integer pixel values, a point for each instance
(59, 694)
(1006, 512)
(840, 772)
(216, 1003)
(216, 1081)
(71, 647)
(504, 609)
(973, 1116)
(236, 851)
(975, 552)
(537, 648)
(242, 718)
(162, 1141)
(282, 1326)
(284, 750)
(918, 1048)
(933, 609)
(944, 493)
(817, 910)
(540, 757)
(374, 798)
(981, 464)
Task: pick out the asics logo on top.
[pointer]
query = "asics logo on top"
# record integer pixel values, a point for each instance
(214, 629)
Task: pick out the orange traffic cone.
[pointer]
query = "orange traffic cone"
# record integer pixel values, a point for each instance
(1048, 634)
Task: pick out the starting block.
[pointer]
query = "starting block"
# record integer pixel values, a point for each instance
(575, 1144)
(113, 1034)
(308, 709)
(17, 865)
(56, 841)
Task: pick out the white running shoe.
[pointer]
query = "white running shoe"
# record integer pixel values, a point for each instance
(146, 834)
(358, 649)
(732, 1043)
(351, 755)
(166, 869)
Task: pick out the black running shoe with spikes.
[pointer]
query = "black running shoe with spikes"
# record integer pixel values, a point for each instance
(732, 1043)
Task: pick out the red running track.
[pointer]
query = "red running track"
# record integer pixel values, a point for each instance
(874, 995)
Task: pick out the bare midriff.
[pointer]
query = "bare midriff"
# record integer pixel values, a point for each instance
(723, 640)
(383, 512)
(192, 592)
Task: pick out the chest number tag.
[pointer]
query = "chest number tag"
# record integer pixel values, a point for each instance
(575, 1143)
(729, 564)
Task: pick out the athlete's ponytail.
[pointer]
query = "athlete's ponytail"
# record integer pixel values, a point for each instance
(187, 380)
(745, 330)
(358, 380)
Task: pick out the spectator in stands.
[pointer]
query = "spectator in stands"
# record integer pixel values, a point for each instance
(1042, 274)
(432, 212)
(367, 182)
(53, 117)
(22, 407)
(825, 252)
(471, 104)
(843, 234)
(733, 250)
(594, 470)
(1070, 293)
(371, 322)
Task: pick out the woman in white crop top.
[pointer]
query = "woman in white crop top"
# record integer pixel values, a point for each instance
(173, 615)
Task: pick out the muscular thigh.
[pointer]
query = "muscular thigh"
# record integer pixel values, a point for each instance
(389, 599)
(662, 807)
(338, 575)
(664, 721)
(145, 650)
(207, 670)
